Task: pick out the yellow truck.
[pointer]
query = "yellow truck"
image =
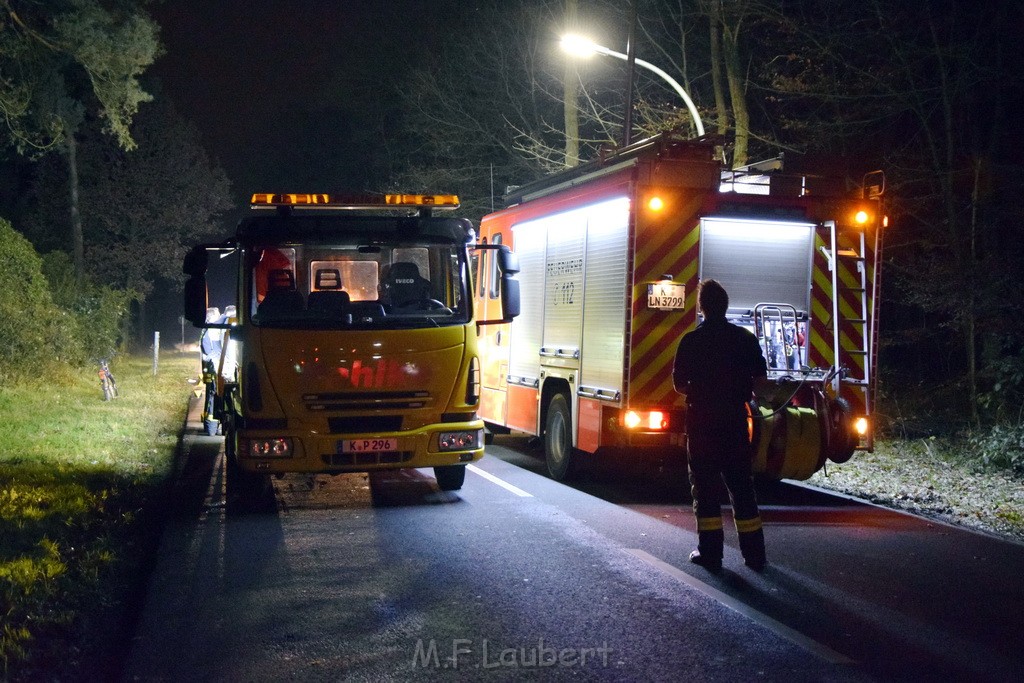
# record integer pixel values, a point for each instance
(355, 337)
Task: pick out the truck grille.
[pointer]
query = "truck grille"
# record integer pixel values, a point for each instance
(358, 460)
(397, 400)
(364, 424)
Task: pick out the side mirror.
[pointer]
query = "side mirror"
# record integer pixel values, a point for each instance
(196, 300)
(508, 265)
(508, 262)
(509, 297)
(508, 285)
(195, 261)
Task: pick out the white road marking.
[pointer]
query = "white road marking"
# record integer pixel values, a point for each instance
(795, 637)
(503, 484)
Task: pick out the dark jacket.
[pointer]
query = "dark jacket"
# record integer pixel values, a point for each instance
(716, 365)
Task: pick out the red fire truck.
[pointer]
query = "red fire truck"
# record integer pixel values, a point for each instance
(611, 253)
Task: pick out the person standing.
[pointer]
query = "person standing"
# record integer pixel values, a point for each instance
(717, 366)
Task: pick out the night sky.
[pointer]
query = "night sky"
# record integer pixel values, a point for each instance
(289, 96)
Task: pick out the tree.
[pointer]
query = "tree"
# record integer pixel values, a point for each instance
(571, 94)
(61, 61)
(493, 103)
(930, 85)
(141, 210)
(497, 103)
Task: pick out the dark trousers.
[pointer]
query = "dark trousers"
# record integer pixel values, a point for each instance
(720, 461)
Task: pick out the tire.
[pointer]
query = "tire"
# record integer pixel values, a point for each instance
(559, 455)
(841, 441)
(450, 477)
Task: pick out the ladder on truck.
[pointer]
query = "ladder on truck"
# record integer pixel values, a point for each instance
(852, 309)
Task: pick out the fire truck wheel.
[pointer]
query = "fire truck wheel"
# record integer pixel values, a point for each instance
(450, 477)
(558, 450)
(842, 441)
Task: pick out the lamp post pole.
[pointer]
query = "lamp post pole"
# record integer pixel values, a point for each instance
(627, 126)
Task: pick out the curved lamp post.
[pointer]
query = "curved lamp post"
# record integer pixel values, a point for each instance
(579, 45)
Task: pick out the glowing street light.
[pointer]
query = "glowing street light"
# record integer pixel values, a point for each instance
(582, 47)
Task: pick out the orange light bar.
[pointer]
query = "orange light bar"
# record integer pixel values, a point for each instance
(356, 201)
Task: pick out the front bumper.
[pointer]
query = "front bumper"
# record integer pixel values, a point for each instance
(312, 452)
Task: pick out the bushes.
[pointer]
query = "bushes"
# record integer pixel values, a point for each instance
(47, 324)
(98, 311)
(34, 333)
(1001, 447)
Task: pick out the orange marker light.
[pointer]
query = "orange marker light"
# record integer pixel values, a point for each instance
(860, 425)
(655, 203)
(861, 217)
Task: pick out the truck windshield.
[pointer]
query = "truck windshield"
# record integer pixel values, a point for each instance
(370, 285)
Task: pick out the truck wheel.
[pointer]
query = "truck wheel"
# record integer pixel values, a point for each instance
(450, 477)
(842, 442)
(558, 451)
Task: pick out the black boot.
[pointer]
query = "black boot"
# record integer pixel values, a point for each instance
(752, 543)
(710, 544)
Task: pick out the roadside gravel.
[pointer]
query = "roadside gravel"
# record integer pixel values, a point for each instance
(932, 478)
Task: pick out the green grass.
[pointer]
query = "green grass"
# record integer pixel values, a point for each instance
(82, 482)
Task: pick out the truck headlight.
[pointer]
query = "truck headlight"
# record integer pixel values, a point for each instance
(268, 447)
(460, 441)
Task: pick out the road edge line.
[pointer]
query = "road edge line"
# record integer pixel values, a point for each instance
(495, 480)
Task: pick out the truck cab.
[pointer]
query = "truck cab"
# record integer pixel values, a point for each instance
(355, 335)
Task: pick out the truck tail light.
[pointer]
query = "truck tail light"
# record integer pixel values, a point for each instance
(650, 420)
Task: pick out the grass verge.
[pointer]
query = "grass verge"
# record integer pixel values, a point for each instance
(940, 478)
(82, 487)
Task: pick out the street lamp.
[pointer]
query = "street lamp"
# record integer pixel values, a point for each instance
(581, 46)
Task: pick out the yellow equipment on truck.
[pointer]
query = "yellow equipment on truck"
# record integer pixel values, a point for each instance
(355, 337)
(611, 253)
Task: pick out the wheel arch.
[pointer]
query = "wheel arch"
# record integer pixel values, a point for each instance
(551, 387)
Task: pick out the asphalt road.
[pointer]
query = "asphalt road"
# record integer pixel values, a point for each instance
(518, 577)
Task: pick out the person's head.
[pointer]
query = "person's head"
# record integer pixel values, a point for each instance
(712, 299)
